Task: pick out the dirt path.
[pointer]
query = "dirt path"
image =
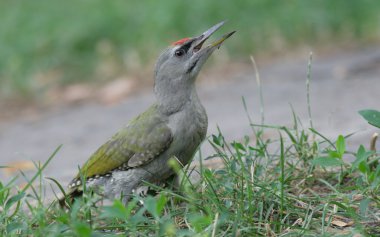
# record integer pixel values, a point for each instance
(341, 85)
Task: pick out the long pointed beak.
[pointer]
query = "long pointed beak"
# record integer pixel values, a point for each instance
(198, 42)
(210, 31)
(200, 55)
(224, 37)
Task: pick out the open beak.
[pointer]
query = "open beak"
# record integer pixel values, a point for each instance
(198, 42)
(200, 55)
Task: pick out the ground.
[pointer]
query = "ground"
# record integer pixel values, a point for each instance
(342, 83)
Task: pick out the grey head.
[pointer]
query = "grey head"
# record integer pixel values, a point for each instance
(178, 67)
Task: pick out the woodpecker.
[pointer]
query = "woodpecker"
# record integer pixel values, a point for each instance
(173, 127)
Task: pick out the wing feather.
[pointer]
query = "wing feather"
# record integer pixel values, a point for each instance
(142, 140)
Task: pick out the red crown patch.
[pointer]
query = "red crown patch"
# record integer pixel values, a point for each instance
(181, 41)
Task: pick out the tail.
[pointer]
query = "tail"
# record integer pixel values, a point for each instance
(67, 199)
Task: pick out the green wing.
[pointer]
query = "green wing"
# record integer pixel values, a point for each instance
(143, 139)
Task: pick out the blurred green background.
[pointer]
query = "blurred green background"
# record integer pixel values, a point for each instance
(51, 43)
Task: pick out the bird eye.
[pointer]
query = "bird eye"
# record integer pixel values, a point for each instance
(179, 52)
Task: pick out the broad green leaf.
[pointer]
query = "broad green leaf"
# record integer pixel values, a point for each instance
(340, 145)
(327, 161)
(376, 180)
(371, 177)
(361, 156)
(363, 207)
(363, 167)
(161, 204)
(372, 116)
(218, 140)
(200, 222)
(117, 210)
(238, 146)
(83, 229)
(334, 154)
(15, 228)
(13, 200)
(150, 204)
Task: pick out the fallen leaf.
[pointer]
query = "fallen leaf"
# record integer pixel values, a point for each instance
(76, 93)
(116, 90)
(340, 222)
(357, 197)
(14, 167)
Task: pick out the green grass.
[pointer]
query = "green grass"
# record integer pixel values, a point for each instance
(47, 43)
(276, 187)
(294, 185)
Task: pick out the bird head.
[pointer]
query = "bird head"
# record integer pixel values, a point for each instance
(178, 66)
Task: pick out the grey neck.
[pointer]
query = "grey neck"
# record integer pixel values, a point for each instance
(175, 99)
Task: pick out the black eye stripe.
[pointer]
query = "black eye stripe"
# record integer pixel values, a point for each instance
(187, 45)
